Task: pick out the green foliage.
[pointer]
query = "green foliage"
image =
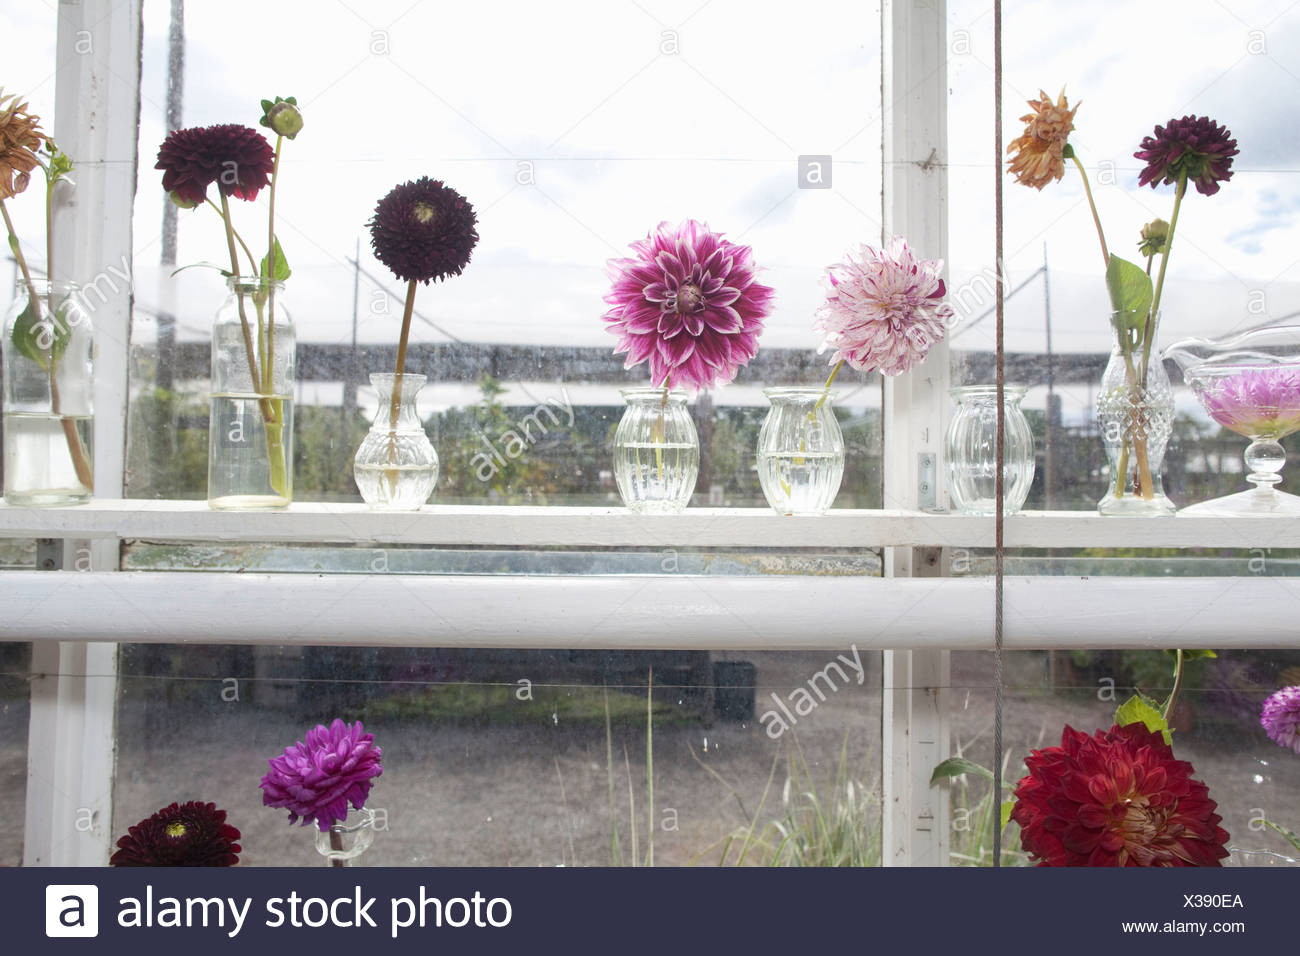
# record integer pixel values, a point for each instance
(1130, 292)
(1143, 710)
(974, 819)
(275, 266)
(40, 339)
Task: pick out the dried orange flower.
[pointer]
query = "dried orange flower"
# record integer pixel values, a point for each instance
(20, 137)
(1038, 155)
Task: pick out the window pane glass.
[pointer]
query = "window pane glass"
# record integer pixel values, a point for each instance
(504, 758)
(1227, 274)
(572, 136)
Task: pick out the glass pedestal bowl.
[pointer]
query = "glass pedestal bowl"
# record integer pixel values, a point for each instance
(1249, 384)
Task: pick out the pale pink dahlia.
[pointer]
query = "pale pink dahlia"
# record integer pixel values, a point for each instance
(1255, 402)
(687, 303)
(884, 309)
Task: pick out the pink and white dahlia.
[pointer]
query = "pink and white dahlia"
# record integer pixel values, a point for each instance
(1281, 717)
(687, 303)
(884, 309)
(1255, 402)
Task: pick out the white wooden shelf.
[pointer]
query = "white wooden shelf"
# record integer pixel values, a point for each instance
(452, 525)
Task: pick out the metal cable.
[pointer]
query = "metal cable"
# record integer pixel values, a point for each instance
(1000, 299)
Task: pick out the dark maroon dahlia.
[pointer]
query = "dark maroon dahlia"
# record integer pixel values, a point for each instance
(182, 834)
(1194, 146)
(237, 159)
(423, 230)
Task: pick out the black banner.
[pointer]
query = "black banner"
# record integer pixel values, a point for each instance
(630, 911)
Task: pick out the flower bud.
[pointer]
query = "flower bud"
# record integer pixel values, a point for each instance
(181, 201)
(284, 118)
(1154, 236)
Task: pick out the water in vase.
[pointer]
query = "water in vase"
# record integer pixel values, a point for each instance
(800, 483)
(245, 470)
(38, 465)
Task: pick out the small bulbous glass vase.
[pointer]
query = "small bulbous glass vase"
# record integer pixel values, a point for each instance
(344, 842)
(972, 450)
(396, 466)
(656, 452)
(800, 451)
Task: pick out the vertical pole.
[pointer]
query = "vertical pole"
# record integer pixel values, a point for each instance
(175, 112)
(914, 91)
(1049, 465)
(72, 736)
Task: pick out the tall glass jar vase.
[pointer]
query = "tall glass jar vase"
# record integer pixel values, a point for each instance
(250, 426)
(800, 451)
(972, 448)
(48, 390)
(1135, 413)
(656, 451)
(396, 466)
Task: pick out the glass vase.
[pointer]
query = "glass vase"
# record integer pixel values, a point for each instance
(344, 842)
(396, 466)
(973, 453)
(1135, 414)
(800, 451)
(250, 424)
(656, 451)
(1249, 384)
(48, 391)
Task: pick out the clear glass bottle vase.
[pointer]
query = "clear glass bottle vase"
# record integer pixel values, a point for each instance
(396, 466)
(48, 396)
(656, 451)
(1135, 414)
(800, 451)
(972, 452)
(250, 424)
(344, 842)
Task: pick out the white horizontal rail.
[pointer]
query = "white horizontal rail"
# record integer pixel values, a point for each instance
(616, 527)
(648, 611)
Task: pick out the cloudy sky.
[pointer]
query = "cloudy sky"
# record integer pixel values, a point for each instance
(576, 126)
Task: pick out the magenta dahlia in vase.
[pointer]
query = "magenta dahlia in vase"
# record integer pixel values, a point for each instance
(1254, 402)
(689, 304)
(317, 778)
(1116, 798)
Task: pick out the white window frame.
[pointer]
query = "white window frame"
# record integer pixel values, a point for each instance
(913, 614)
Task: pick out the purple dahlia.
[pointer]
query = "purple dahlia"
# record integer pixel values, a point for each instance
(316, 778)
(1194, 146)
(423, 230)
(689, 304)
(1281, 717)
(1257, 403)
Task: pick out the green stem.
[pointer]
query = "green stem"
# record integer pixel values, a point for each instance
(826, 388)
(1178, 681)
(1087, 189)
(1179, 192)
(268, 413)
(230, 228)
(81, 463)
(270, 266)
(395, 407)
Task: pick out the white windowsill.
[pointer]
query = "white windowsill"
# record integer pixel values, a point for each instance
(475, 525)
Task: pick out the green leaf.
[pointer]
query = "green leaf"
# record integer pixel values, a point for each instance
(281, 270)
(38, 338)
(1291, 837)
(1007, 807)
(955, 767)
(1129, 287)
(266, 106)
(1142, 710)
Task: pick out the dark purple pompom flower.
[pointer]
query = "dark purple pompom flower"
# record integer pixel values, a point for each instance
(687, 303)
(238, 159)
(423, 230)
(1194, 145)
(316, 779)
(184, 834)
(1281, 717)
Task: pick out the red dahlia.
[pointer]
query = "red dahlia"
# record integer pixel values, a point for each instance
(1117, 798)
(184, 834)
(238, 159)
